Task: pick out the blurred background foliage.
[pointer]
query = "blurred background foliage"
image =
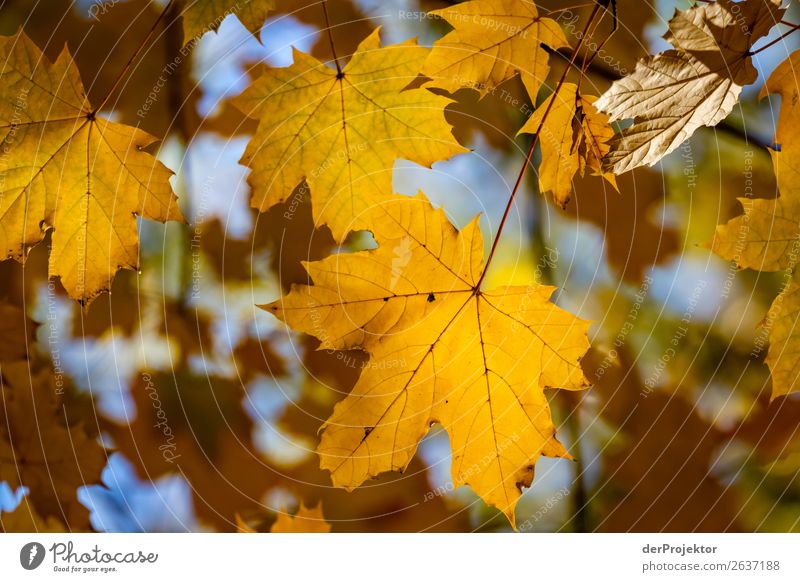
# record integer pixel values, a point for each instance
(677, 434)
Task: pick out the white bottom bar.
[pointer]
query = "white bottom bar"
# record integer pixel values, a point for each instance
(402, 557)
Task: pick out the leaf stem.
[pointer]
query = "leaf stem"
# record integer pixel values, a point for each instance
(568, 8)
(130, 62)
(793, 28)
(330, 36)
(589, 58)
(532, 147)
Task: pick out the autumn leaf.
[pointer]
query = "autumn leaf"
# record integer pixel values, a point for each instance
(102, 36)
(783, 82)
(306, 520)
(674, 493)
(202, 16)
(492, 41)
(672, 94)
(16, 333)
(69, 170)
(441, 350)
(391, 502)
(573, 136)
(398, 336)
(762, 238)
(767, 236)
(784, 347)
(25, 519)
(40, 450)
(342, 132)
(195, 426)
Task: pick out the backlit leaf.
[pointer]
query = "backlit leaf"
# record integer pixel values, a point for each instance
(767, 236)
(202, 16)
(441, 350)
(672, 94)
(342, 133)
(492, 41)
(573, 135)
(69, 170)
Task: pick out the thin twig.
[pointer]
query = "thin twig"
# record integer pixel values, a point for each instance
(793, 28)
(130, 62)
(330, 36)
(532, 147)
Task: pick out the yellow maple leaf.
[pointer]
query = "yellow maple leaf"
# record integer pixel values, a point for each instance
(66, 169)
(492, 41)
(306, 520)
(441, 350)
(767, 236)
(672, 94)
(202, 16)
(342, 132)
(783, 82)
(572, 136)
